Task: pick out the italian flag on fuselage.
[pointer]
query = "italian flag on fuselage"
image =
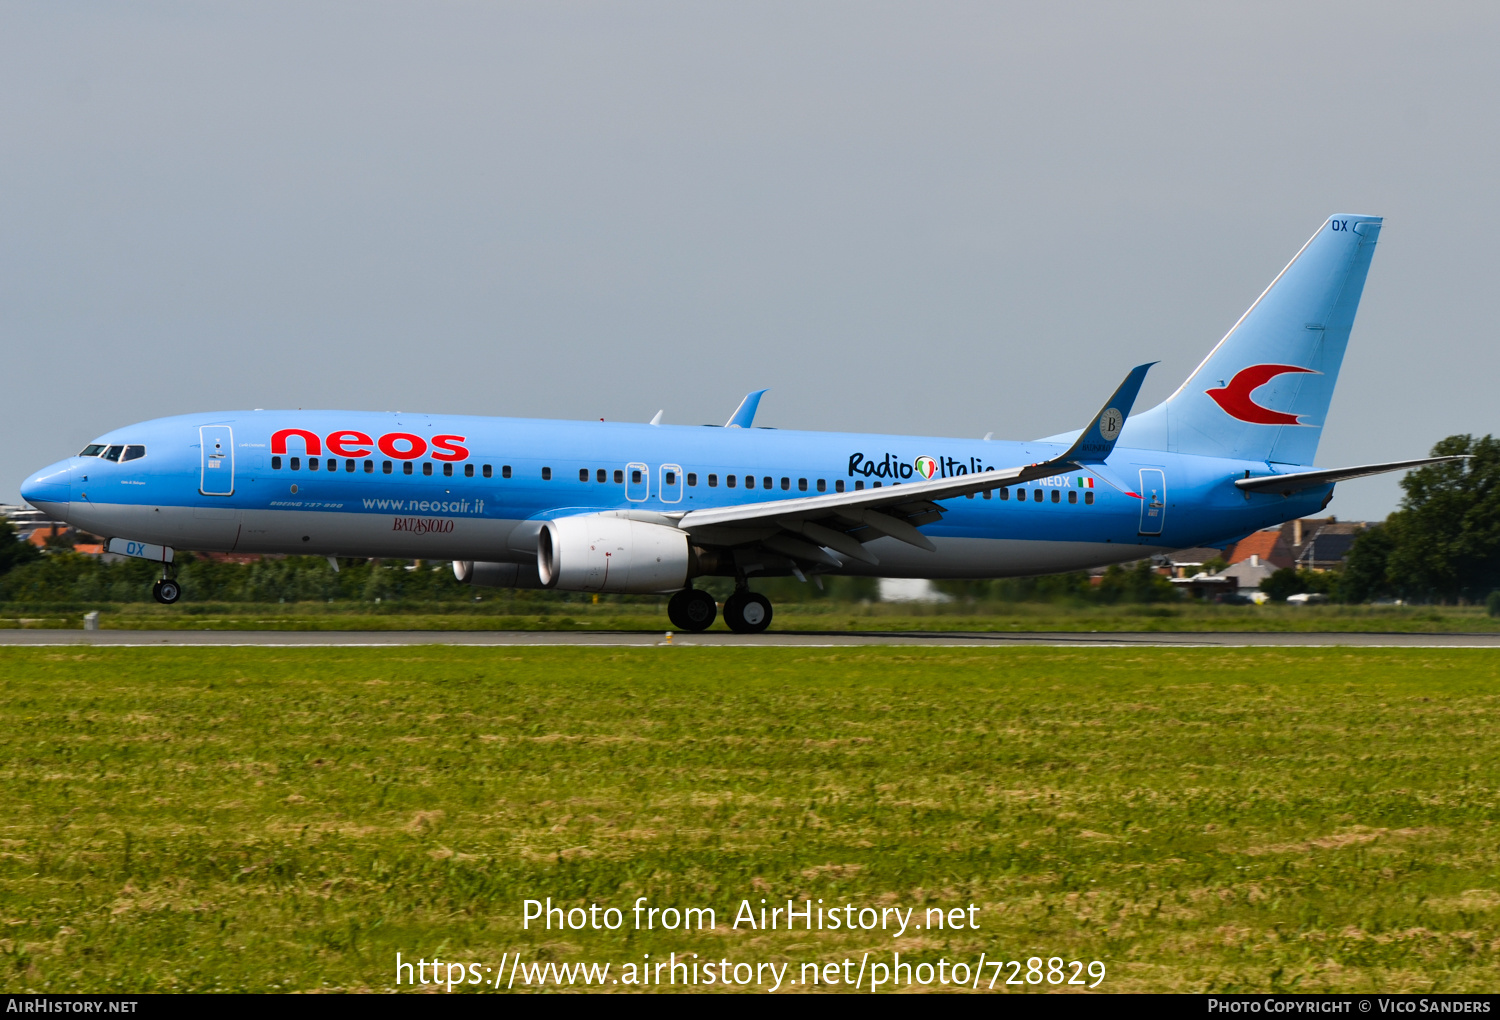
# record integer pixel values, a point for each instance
(1085, 483)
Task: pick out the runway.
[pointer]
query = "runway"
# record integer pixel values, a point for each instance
(720, 639)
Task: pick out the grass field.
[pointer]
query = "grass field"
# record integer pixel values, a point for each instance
(264, 819)
(790, 616)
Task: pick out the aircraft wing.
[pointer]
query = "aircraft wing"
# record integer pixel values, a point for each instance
(1298, 480)
(844, 521)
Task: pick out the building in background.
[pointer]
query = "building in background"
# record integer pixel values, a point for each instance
(1310, 543)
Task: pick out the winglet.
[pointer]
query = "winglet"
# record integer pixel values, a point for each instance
(744, 415)
(1098, 440)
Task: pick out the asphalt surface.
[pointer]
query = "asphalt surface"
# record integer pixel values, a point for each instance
(721, 639)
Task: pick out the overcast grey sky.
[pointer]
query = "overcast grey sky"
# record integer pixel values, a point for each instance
(940, 218)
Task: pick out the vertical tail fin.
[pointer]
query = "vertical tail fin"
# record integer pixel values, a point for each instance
(1263, 392)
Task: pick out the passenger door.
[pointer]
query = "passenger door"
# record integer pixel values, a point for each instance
(669, 490)
(216, 473)
(637, 482)
(1153, 500)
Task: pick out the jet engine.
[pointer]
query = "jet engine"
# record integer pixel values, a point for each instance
(605, 552)
(496, 575)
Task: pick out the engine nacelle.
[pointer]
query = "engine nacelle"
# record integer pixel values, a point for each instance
(605, 552)
(496, 575)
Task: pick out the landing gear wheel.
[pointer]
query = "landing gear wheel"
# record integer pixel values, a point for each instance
(166, 591)
(747, 613)
(691, 609)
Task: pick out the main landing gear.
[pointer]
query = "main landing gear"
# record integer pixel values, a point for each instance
(745, 612)
(691, 609)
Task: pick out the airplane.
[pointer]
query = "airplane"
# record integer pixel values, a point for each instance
(594, 506)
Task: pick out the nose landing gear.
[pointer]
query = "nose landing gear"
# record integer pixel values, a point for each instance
(692, 610)
(166, 590)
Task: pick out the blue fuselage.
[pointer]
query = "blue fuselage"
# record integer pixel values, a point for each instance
(348, 483)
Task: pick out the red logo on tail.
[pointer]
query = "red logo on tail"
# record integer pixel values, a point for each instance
(1235, 398)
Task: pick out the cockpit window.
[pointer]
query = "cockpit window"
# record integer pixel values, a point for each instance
(134, 453)
(113, 453)
(92, 450)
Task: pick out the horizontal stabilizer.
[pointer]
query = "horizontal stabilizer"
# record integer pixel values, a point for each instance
(1296, 482)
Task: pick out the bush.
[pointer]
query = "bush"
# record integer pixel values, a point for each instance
(1288, 581)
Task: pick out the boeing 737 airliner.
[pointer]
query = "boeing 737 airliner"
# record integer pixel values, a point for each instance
(617, 507)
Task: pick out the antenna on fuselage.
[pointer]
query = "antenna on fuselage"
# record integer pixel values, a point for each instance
(656, 420)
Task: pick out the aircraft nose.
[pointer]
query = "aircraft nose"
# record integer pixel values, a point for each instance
(50, 490)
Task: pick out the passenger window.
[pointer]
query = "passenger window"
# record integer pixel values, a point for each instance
(1020, 494)
(349, 466)
(802, 485)
(113, 453)
(385, 466)
(601, 476)
(275, 463)
(619, 477)
(988, 493)
(749, 481)
(729, 480)
(879, 485)
(1072, 495)
(713, 481)
(134, 453)
(1088, 499)
(1036, 495)
(767, 482)
(1005, 494)
(822, 485)
(671, 477)
(546, 474)
(786, 484)
(583, 474)
(92, 450)
(968, 495)
(406, 467)
(1056, 496)
(369, 467)
(858, 485)
(635, 478)
(692, 479)
(447, 470)
(469, 471)
(312, 463)
(296, 463)
(333, 465)
(838, 486)
(427, 468)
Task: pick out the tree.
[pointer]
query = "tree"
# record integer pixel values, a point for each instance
(1139, 584)
(14, 552)
(1365, 574)
(1445, 538)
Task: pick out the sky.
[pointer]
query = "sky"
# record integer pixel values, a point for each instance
(942, 219)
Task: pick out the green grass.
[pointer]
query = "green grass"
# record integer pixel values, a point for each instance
(262, 819)
(507, 614)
